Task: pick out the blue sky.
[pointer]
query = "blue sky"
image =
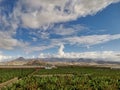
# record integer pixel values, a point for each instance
(62, 28)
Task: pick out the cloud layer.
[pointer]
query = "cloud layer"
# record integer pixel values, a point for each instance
(4, 57)
(36, 14)
(92, 39)
(96, 55)
(85, 41)
(39, 13)
(8, 42)
(43, 18)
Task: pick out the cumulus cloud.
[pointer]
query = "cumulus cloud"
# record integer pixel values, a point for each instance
(96, 55)
(38, 13)
(61, 52)
(103, 55)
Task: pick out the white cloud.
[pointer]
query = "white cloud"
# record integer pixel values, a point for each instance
(34, 39)
(30, 49)
(61, 52)
(8, 30)
(103, 55)
(97, 55)
(82, 40)
(4, 57)
(38, 13)
(8, 42)
(48, 55)
(91, 39)
(44, 13)
(63, 31)
(68, 30)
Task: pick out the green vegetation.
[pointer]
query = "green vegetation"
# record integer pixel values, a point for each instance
(98, 71)
(70, 78)
(7, 74)
(75, 82)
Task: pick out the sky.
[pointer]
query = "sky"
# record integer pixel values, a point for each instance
(60, 28)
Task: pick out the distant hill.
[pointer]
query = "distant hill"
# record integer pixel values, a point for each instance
(57, 61)
(20, 59)
(17, 61)
(35, 62)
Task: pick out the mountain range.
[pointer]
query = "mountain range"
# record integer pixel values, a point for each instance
(58, 61)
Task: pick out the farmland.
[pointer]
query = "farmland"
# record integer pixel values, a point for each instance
(6, 74)
(68, 78)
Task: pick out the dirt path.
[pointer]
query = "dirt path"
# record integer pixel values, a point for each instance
(34, 72)
(50, 75)
(9, 82)
(14, 80)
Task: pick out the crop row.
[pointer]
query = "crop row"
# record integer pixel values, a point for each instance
(80, 70)
(68, 78)
(75, 82)
(6, 74)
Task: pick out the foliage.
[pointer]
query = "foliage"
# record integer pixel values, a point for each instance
(6, 74)
(74, 78)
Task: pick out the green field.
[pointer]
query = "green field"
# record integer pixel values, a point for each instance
(98, 71)
(70, 78)
(7, 74)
